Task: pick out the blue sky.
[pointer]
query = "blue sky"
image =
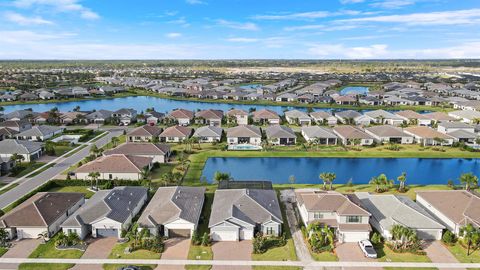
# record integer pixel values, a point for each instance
(239, 29)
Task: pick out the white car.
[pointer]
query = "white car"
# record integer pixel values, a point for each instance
(367, 249)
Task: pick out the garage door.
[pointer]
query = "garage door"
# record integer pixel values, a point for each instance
(107, 233)
(224, 236)
(182, 233)
(349, 237)
(428, 234)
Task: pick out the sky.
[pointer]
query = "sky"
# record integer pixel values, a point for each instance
(239, 29)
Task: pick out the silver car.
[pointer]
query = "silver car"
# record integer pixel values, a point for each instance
(367, 249)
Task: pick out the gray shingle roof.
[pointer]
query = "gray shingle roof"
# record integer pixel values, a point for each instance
(244, 131)
(318, 132)
(253, 206)
(208, 131)
(116, 204)
(278, 131)
(170, 203)
(11, 146)
(39, 131)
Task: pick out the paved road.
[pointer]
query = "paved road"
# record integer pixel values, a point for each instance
(316, 264)
(27, 186)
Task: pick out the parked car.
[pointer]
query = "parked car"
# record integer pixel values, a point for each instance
(130, 267)
(367, 249)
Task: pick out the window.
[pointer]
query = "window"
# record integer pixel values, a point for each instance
(269, 230)
(317, 215)
(354, 219)
(110, 176)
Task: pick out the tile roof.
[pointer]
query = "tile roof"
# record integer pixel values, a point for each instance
(426, 132)
(176, 131)
(181, 113)
(244, 131)
(116, 163)
(350, 132)
(318, 132)
(210, 114)
(146, 131)
(265, 114)
(329, 202)
(387, 131)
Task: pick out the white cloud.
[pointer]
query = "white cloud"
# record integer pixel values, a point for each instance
(173, 35)
(24, 37)
(341, 51)
(238, 25)
(180, 21)
(60, 6)
(23, 20)
(294, 16)
(195, 2)
(242, 40)
(351, 1)
(454, 17)
(321, 27)
(392, 4)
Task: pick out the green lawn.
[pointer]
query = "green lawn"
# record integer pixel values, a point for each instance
(26, 168)
(62, 149)
(8, 188)
(48, 250)
(42, 170)
(461, 254)
(199, 253)
(324, 256)
(3, 251)
(45, 266)
(80, 189)
(118, 253)
(76, 150)
(116, 266)
(385, 254)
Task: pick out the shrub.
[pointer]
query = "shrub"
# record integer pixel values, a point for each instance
(196, 240)
(206, 239)
(376, 238)
(448, 238)
(259, 242)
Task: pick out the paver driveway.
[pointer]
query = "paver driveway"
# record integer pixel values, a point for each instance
(98, 248)
(175, 249)
(21, 249)
(438, 253)
(351, 252)
(232, 250)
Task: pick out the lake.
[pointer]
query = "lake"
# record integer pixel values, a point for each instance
(359, 170)
(360, 90)
(141, 103)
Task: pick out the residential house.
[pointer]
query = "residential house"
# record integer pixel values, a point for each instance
(153, 117)
(146, 133)
(469, 117)
(173, 211)
(286, 97)
(42, 213)
(68, 118)
(116, 166)
(209, 117)
(413, 118)
(453, 208)
(428, 136)
(20, 115)
(345, 100)
(240, 116)
(125, 116)
(208, 134)
(7, 133)
(389, 210)
(17, 125)
(436, 117)
(352, 135)
(337, 211)
(46, 95)
(348, 116)
(107, 213)
(28, 149)
(280, 135)
(158, 152)
(389, 134)
(384, 117)
(239, 214)
(6, 164)
(319, 135)
(244, 134)
(99, 117)
(448, 127)
(181, 116)
(298, 118)
(175, 134)
(265, 116)
(323, 118)
(39, 133)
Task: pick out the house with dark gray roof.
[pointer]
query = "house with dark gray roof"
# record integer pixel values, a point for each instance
(99, 117)
(42, 213)
(173, 211)
(348, 116)
(352, 135)
(28, 149)
(17, 125)
(280, 135)
(208, 134)
(319, 135)
(389, 210)
(239, 214)
(107, 212)
(39, 133)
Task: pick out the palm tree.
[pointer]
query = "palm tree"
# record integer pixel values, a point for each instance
(17, 158)
(379, 181)
(94, 177)
(94, 150)
(327, 178)
(115, 141)
(291, 179)
(402, 179)
(220, 176)
(469, 180)
(471, 236)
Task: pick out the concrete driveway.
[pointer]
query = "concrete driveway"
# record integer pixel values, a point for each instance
(21, 249)
(175, 249)
(98, 248)
(351, 252)
(438, 253)
(232, 250)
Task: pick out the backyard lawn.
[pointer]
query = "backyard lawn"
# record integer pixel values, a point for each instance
(118, 252)
(80, 189)
(461, 254)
